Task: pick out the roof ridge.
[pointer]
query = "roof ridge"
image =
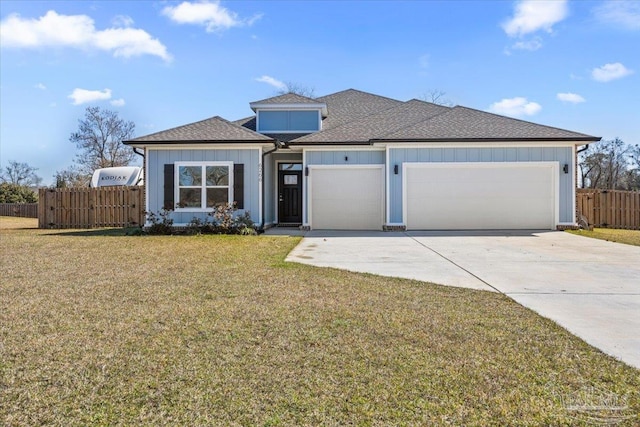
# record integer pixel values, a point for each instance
(359, 91)
(403, 104)
(447, 111)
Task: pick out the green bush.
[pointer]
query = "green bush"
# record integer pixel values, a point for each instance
(13, 193)
(161, 223)
(220, 221)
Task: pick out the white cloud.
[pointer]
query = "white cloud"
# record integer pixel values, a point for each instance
(273, 82)
(573, 98)
(122, 21)
(610, 72)
(533, 15)
(208, 14)
(77, 31)
(82, 96)
(533, 44)
(624, 14)
(517, 106)
(118, 102)
(40, 86)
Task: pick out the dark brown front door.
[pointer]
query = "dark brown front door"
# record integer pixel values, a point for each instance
(289, 197)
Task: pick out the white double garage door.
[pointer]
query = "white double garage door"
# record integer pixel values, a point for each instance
(438, 196)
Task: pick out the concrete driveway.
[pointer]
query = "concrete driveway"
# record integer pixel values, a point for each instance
(590, 287)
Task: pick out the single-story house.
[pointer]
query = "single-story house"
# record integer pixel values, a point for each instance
(357, 161)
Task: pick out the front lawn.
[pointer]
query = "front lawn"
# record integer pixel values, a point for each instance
(630, 237)
(97, 328)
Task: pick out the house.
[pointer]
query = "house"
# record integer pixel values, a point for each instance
(354, 160)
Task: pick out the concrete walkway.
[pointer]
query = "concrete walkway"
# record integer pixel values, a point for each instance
(590, 287)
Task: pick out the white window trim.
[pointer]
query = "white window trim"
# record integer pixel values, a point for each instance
(176, 187)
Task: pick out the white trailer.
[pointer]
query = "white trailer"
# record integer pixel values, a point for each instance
(120, 176)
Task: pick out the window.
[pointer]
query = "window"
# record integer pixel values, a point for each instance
(291, 121)
(202, 186)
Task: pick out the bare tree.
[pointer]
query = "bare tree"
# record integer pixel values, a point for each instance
(71, 178)
(20, 174)
(99, 139)
(604, 165)
(298, 89)
(436, 96)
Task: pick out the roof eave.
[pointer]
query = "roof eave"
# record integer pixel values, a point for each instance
(332, 143)
(184, 142)
(583, 139)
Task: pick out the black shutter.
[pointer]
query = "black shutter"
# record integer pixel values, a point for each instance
(238, 185)
(169, 179)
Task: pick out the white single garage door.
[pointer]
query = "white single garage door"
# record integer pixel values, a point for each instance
(346, 197)
(480, 196)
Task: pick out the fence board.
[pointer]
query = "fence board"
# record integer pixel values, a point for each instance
(609, 208)
(24, 210)
(91, 207)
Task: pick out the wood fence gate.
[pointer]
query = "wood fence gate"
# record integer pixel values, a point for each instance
(609, 208)
(91, 207)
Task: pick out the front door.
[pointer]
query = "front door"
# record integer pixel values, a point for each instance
(290, 193)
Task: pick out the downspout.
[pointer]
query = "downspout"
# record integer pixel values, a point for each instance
(276, 144)
(586, 147)
(144, 159)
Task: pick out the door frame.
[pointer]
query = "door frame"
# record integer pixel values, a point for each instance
(276, 198)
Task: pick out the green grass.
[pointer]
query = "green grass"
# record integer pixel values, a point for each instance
(630, 237)
(100, 329)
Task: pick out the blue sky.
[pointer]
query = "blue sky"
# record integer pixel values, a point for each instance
(570, 64)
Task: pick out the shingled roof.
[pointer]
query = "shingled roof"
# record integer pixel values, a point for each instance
(214, 129)
(287, 98)
(351, 104)
(357, 117)
(462, 123)
(372, 126)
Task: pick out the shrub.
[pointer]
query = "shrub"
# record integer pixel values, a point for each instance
(226, 223)
(14, 193)
(161, 223)
(220, 221)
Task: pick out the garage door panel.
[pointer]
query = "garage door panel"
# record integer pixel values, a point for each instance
(480, 196)
(346, 198)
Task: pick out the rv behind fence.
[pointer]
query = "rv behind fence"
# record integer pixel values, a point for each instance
(91, 207)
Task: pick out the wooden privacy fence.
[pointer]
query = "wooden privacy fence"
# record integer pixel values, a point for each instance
(609, 208)
(91, 207)
(25, 210)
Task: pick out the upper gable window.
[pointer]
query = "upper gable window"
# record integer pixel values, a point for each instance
(288, 121)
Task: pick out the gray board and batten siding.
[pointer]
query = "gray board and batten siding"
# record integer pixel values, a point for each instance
(563, 155)
(157, 159)
(345, 157)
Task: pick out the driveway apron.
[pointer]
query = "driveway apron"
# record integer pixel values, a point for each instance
(590, 287)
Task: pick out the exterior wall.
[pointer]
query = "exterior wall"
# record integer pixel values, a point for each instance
(337, 157)
(288, 121)
(563, 155)
(271, 181)
(157, 158)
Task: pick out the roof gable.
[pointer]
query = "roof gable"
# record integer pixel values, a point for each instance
(287, 98)
(467, 123)
(214, 129)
